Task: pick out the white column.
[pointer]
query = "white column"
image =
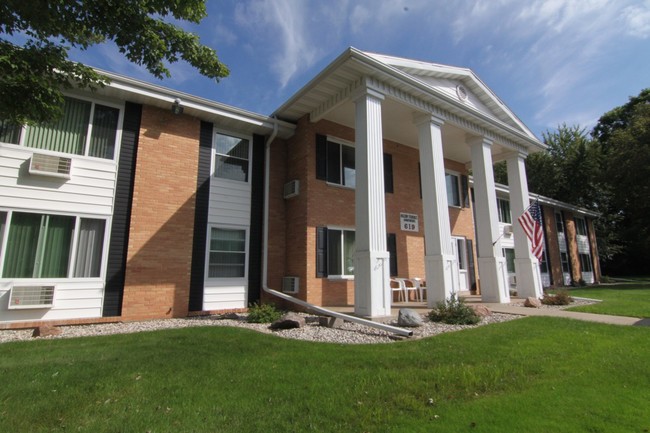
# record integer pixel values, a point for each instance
(526, 265)
(439, 256)
(492, 269)
(372, 293)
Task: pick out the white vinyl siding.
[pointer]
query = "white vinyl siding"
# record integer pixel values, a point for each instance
(229, 209)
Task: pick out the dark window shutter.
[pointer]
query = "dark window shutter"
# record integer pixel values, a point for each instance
(321, 157)
(391, 244)
(333, 169)
(388, 172)
(470, 265)
(464, 187)
(321, 252)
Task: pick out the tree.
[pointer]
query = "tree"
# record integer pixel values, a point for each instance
(625, 134)
(32, 75)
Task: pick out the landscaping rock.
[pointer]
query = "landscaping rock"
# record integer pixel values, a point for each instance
(46, 331)
(289, 321)
(331, 322)
(231, 316)
(481, 310)
(531, 302)
(409, 318)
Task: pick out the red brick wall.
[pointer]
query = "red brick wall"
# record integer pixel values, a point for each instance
(572, 245)
(553, 252)
(162, 220)
(320, 204)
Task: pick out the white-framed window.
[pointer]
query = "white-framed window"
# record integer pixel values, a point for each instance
(461, 252)
(509, 254)
(341, 165)
(86, 128)
(585, 262)
(227, 252)
(38, 245)
(503, 207)
(232, 157)
(452, 181)
(340, 252)
(581, 226)
(564, 260)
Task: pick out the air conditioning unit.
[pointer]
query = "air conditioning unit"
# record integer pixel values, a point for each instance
(292, 188)
(507, 229)
(31, 297)
(512, 280)
(50, 165)
(290, 284)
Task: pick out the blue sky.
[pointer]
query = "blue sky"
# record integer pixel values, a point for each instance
(550, 61)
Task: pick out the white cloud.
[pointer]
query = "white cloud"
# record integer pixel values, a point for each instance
(637, 19)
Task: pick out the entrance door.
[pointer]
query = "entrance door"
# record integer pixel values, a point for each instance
(459, 246)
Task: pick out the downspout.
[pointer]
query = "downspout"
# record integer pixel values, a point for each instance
(265, 258)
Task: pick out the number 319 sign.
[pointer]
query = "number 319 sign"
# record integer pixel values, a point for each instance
(409, 222)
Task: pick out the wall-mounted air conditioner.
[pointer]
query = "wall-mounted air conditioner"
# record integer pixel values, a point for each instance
(50, 165)
(290, 284)
(292, 188)
(31, 297)
(507, 229)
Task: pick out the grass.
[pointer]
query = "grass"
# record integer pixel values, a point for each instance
(632, 299)
(530, 375)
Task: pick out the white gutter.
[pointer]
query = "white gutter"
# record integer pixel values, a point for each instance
(265, 258)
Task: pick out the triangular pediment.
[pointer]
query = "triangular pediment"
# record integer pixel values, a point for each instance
(460, 84)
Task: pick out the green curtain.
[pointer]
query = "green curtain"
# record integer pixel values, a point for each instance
(22, 245)
(56, 250)
(102, 138)
(68, 134)
(9, 132)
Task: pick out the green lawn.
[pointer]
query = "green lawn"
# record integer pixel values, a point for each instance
(632, 299)
(530, 375)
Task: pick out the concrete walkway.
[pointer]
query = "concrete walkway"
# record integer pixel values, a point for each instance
(421, 307)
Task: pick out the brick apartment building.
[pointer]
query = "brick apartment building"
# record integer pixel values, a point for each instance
(144, 203)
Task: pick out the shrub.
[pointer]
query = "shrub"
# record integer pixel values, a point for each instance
(454, 312)
(263, 313)
(561, 297)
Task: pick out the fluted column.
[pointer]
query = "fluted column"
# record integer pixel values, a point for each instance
(526, 265)
(439, 256)
(372, 293)
(491, 263)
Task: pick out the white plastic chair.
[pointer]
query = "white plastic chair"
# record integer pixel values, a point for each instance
(420, 286)
(398, 286)
(411, 286)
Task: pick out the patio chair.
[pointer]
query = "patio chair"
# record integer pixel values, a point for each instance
(410, 285)
(398, 286)
(420, 285)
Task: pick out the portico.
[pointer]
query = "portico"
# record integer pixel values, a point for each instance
(448, 116)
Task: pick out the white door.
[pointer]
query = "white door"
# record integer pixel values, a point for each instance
(459, 248)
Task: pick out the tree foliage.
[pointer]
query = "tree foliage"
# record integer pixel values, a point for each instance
(33, 74)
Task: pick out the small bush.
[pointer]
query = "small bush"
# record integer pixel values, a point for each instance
(263, 313)
(454, 312)
(561, 297)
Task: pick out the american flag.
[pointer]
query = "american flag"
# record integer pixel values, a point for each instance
(531, 222)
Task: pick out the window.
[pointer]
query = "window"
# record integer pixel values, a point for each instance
(9, 132)
(453, 190)
(585, 263)
(40, 246)
(227, 253)
(509, 254)
(232, 156)
(340, 252)
(581, 226)
(564, 259)
(461, 253)
(335, 163)
(503, 206)
(86, 128)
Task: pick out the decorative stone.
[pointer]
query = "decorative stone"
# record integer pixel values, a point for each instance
(289, 321)
(409, 318)
(481, 310)
(331, 322)
(231, 316)
(46, 331)
(531, 302)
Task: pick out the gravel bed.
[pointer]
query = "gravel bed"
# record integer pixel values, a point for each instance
(349, 333)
